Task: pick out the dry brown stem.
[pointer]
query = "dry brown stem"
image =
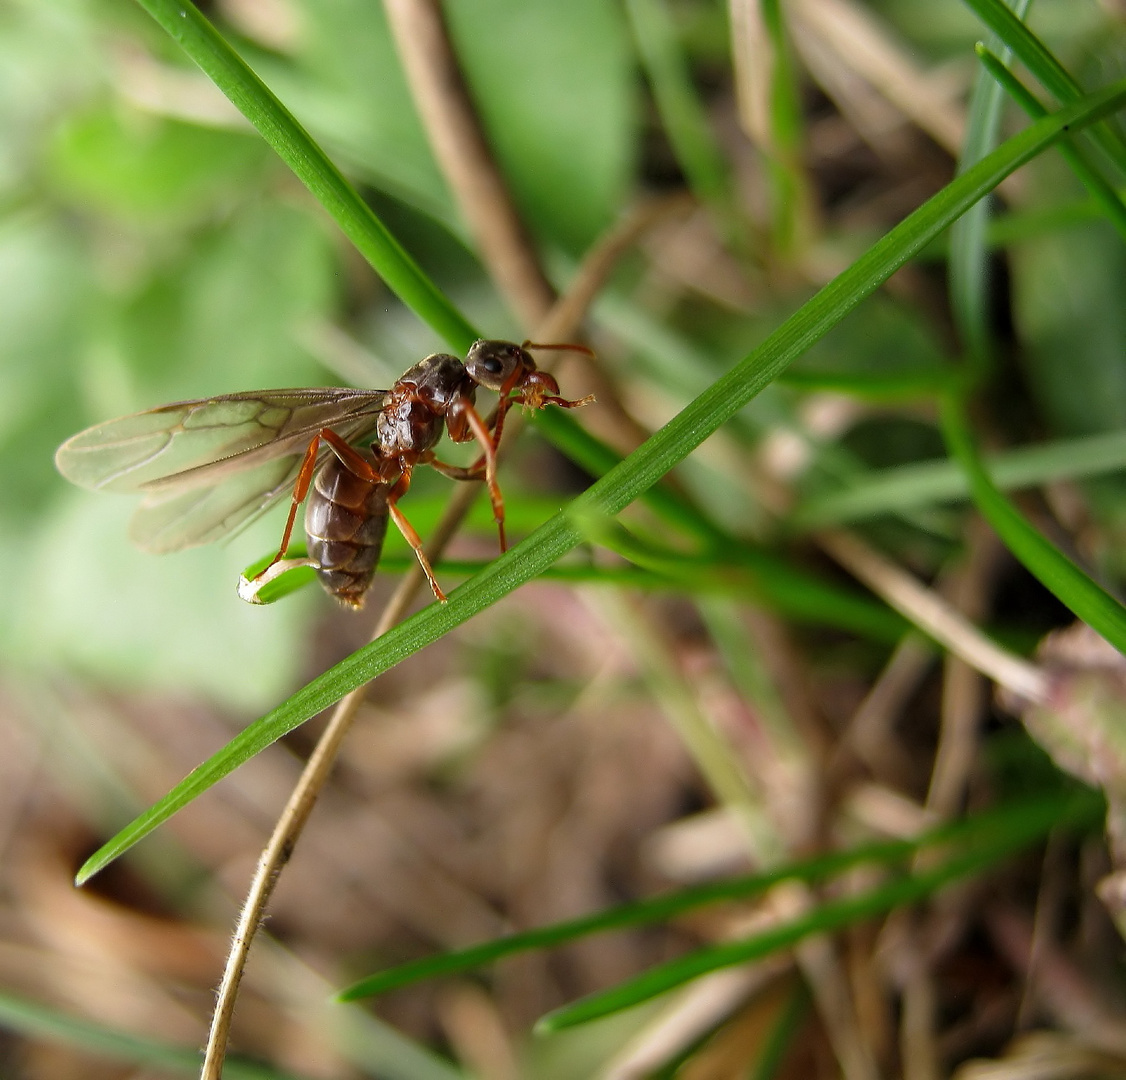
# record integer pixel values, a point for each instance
(561, 321)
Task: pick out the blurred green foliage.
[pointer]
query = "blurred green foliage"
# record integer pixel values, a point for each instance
(152, 249)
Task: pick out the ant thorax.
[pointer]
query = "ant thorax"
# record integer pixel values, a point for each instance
(413, 419)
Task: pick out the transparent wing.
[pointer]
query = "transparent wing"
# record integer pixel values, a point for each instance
(210, 467)
(183, 518)
(192, 443)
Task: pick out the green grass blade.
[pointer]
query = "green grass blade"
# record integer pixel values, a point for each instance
(682, 114)
(755, 574)
(790, 197)
(832, 916)
(875, 385)
(991, 846)
(771, 581)
(909, 487)
(203, 43)
(637, 473)
(664, 908)
(968, 265)
(1102, 191)
(782, 1035)
(36, 1021)
(1088, 600)
(1012, 228)
(1044, 67)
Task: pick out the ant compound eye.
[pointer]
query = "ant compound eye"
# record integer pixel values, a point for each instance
(492, 363)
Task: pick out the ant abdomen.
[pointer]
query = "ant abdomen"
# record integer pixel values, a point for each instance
(345, 524)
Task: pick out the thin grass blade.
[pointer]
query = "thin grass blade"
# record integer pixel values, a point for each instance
(1102, 191)
(1044, 67)
(682, 113)
(39, 1022)
(990, 846)
(637, 473)
(926, 483)
(664, 908)
(969, 267)
(1087, 599)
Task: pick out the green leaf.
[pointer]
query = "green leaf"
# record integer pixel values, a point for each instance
(148, 168)
(637, 473)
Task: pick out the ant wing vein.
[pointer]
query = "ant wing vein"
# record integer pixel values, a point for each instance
(208, 468)
(193, 443)
(202, 515)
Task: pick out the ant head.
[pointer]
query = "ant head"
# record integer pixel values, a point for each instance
(498, 365)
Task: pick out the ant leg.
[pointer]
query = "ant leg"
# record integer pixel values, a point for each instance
(486, 463)
(497, 425)
(355, 462)
(249, 589)
(475, 472)
(358, 464)
(456, 472)
(398, 490)
(300, 490)
(563, 403)
(503, 406)
(352, 459)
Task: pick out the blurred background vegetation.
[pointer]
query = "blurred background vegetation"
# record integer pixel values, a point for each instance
(522, 770)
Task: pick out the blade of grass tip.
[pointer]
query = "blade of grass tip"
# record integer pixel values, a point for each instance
(203, 43)
(1101, 190)
(663, 908)
(969, 266)
(831, 915)
(636, 474)
(1044, 67)
(1088, 600)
